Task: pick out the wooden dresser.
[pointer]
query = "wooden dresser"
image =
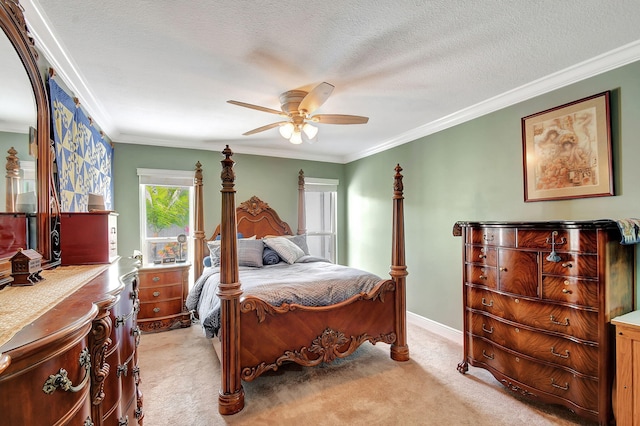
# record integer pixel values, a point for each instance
(163, 291)
(538, 302)
(77, 363)
(627, 400)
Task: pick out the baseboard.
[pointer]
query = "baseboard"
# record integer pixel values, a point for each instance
(435, 327)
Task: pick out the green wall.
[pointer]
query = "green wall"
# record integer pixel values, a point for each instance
(471, 172)
(274, 180)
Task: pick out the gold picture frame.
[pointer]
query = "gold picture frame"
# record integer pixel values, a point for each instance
(567, 151)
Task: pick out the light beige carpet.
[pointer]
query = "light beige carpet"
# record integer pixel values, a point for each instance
(180, 382)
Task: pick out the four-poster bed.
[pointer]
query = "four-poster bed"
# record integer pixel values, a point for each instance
(258, 334)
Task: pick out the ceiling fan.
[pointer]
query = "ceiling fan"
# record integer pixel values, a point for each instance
(297, 106)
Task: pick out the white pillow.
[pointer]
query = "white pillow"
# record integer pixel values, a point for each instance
(214, 250)
(286, 249)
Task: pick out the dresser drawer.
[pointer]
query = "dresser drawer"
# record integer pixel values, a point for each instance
(584, 241)
(553, 349)
(581, 391)
(571, 290)
(579, 323)
(160, 309)
(483, 255)
(156, 278)
(159, 293)
(503, 237)
(518, 272)
(572, 265)
(482, 275)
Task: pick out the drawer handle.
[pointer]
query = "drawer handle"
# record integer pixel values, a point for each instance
(156, 310)
(156, 293)
(567, 265)
(565, 387)
(488, 238)
(482, 277)
(155, 279)
(484, 354)
(553, 351)
(61, 380)
(503, 269)
(122, 369)
(553, 320)
(490, 304)
(121, 319)
(566, 291)
(487, 331)
(482, 256)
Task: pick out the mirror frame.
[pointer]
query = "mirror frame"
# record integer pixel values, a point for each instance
(15, 28)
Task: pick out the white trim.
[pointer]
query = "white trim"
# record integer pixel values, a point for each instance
(165, 177)
(445, 331)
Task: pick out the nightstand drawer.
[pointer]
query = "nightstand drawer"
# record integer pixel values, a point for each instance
(160, 309)
(152, 294)
(157, 278)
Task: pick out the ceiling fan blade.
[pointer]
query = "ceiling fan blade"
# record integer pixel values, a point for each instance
(339, 119)
(263, 128)
(258, 107)
(316, 97)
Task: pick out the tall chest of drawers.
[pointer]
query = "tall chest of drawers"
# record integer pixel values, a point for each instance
(538, 302)
(163, 292)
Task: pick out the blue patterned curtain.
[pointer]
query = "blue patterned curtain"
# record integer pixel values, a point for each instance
(83, 157)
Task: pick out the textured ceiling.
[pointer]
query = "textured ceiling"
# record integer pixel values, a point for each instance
(160, 72)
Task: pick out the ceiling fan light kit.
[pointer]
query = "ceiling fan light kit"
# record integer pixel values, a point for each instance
(298, 106)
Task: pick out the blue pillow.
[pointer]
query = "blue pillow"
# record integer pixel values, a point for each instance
(270, 256)
(239, 235)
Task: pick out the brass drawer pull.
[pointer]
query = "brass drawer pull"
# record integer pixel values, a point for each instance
(502, 269)
(121, 319)
(553, 320)
(567, 265)
(482, 277)
(490, 304)
(487, 331)
(482, 256)
(484, 354)
(156, 310)
(60, 380)
(565, 387)
(156, 293)
(155, 279)
(553, 351)
(122, 369)
(566, 291)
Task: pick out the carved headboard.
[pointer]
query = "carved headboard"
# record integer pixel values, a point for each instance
(255, 217)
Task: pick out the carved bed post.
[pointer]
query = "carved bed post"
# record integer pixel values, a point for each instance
(302, 223)
(199, 243)
(13, 180)
(231, 397)
(399, 349)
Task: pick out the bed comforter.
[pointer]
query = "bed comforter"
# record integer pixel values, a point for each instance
(309, 282)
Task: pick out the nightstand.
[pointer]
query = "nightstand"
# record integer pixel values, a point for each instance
(627, 386)
(163, 290)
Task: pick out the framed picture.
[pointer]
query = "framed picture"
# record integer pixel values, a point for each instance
(567, 151)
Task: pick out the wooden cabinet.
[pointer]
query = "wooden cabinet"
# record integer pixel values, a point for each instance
(538, 301)
(88, 238)
(627, 400)
(77, 363)
(163, 291)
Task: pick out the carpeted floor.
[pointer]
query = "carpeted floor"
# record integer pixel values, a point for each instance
(180, 382)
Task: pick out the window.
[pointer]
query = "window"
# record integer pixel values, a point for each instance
(166, 212)
(320, 201)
